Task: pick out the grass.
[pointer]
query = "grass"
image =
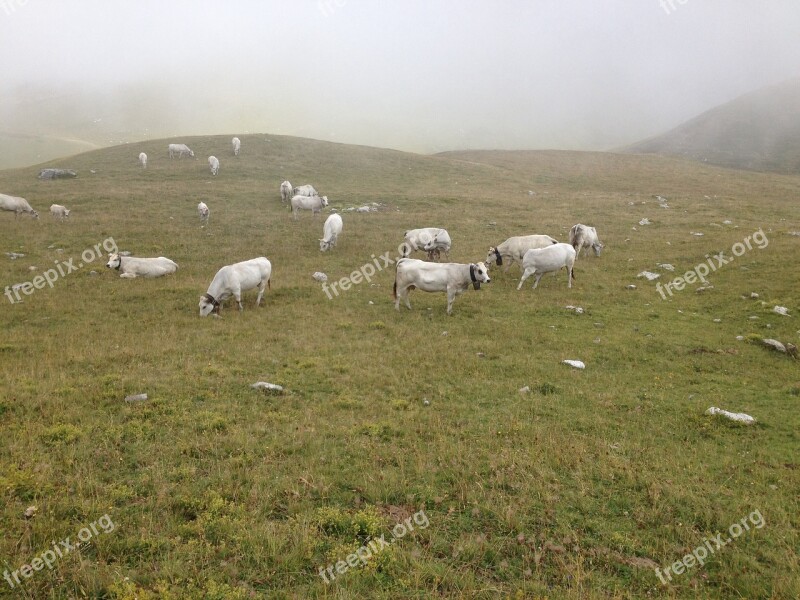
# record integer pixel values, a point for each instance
(578, 489)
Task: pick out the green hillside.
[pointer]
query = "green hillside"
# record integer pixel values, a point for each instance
(579, 488)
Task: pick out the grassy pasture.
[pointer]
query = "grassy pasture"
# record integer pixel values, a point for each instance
(578, 489)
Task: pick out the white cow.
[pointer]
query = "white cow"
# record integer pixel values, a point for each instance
(453, 278)
(305, 190)
(17, 205)
(180, 150)
(213, 164)
(204, 212)
(538, 261)
(232, 280)
(237, 145)
(131, 268)
(430, 239)
(143, 159)
(583, 237)
(286, 191)
(330, 232)
(514, 248)
(59, 212)
(313, 203)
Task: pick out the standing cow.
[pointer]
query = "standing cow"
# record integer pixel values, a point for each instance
(539, 261)
(181, 150)
(313, 203)
(430, 239)
(204, 212)
(17, 205)
(514, 248)
(143, 159)
(305, 190)
(232, 280)
(330, 232)
(59, 212)
(583, 237)
(213, 165)
(237, 146)
(286, 191)
(453, 278)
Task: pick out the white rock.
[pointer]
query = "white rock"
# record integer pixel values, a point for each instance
(739, 338)
(371, 302)
(577, 309)
(697, 233)
(649, 275)
(525, 390)
(666, 266)
(319, 276)
(775, 344)
(740, 417)
(267, 387)
(14, 255)
(136, 398)
(781, 310)
(630, 287)
(574, 363)
(31, 268)
(717, 320)
(727, 222)
(645, 221)
(753, 295)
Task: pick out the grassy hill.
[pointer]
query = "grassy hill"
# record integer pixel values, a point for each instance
(759, 131)
(579, 488)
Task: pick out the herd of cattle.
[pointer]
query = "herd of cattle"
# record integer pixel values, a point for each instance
(536, 254)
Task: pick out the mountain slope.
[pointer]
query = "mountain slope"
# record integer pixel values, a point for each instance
(758, 131)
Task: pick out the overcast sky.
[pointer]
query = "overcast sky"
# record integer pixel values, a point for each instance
(422, 75)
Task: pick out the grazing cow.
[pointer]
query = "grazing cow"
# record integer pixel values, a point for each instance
(213, 164)
(204, 212)
(330, 232)
(514, 248)
(313, 203)
(131, 268)
(286, 191)
(237, 146)
(232, 280)
(180, 150)
(59, 212)
(143, 159)
(538, 261)
(305, 190)
(583, 237)
(453, 278)
(17, 205)
(430, 239)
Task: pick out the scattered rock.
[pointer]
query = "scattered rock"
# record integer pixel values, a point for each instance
(481, 355)
(30, 512)
(93, 273)
(774, 344)
(319, 276)
(754, 318)
(796, 233)
(45, 174)
(697, 233)
(717, 320)
(577, 309)
(371, 302)
(524, 390)
(753, 295)
(740, 417)
(727, 222)
(14, 255)
(32, 268)
(426, 402)
(739, 338)
(645, 221)
(649, 275)
(267, 387)
(574, 363)
(444, 333)
(136, 398)
(781, 310)
(630, 287)
(124, 253)
(492, 223)
(666, 266)
(704, 287)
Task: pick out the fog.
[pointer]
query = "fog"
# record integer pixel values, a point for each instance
(415, 75)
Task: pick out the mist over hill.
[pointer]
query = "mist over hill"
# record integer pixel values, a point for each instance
(758, 131)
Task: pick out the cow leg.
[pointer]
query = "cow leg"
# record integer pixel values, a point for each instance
(128, 276)
(525, 274)
(538, 277)
(261, 288)
(451, 296)
(403, 293)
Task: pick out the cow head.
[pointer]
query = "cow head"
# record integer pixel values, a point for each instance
(493, 257)
(114, 261)
(324, 246)
(66, 212)
(34, 214)
(598, 248)
(191, 153)
(478, 273)
(324, 201)
(208, 304)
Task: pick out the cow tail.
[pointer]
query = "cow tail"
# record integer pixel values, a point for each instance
(269, 284)
(394, 288)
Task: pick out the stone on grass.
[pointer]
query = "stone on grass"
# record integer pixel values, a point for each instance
(136, 398)
(740, 417)
(781, 310)
(649, 275)
(319, 276)
(267, 387)
(574, 363)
